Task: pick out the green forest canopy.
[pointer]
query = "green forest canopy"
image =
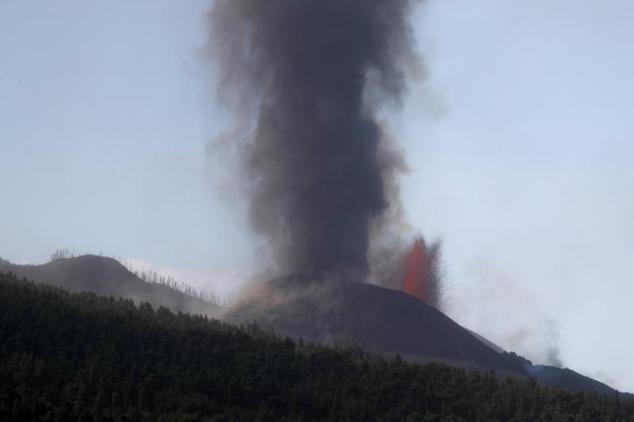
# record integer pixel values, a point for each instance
(70, 356)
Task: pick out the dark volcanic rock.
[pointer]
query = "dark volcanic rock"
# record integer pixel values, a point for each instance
(370, 316)
(389, 322)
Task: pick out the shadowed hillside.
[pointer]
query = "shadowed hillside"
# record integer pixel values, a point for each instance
(70, 357)
(388, 322)
(107, 277)
(363, 314)
(385, 322)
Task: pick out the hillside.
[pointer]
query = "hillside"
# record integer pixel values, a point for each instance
(107, 277)
(81, 357)
(388, 322)
(552, 376)
(366, 315)
(385, 322)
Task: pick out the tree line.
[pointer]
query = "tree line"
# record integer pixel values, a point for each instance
(149, 276)
(80, 357)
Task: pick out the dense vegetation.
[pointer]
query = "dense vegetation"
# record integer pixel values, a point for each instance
(67, 357)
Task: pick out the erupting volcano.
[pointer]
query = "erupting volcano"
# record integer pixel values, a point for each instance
(415, 281)
(420, 278)
(310, 84)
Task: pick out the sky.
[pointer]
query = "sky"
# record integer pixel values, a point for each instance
(518, 143)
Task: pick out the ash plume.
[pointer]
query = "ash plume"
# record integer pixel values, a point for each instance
(307, 79)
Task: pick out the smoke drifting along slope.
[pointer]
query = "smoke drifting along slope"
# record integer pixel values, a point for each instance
(308, 78)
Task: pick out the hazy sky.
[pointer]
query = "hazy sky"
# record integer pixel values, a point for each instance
(519, 144)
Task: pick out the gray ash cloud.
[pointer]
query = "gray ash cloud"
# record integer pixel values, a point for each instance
(308, 78)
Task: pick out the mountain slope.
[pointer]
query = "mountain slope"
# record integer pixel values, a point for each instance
(564, 377)
(377, 318)
(385, 321)
(107, 277)
(388, 322)
(81, 357)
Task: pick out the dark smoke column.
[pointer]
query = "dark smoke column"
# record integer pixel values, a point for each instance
(309, 77)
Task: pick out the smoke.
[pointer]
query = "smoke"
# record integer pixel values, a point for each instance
(503, 306)
(307, 80)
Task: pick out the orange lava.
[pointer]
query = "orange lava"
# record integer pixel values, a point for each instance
(415, 279)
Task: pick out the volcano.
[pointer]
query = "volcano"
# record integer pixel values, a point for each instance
(375, 318)
(388, 322)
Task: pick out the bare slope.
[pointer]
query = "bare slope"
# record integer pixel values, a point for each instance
(374, 317)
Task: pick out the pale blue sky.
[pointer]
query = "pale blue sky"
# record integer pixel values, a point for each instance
(520, 144)
(105, 121)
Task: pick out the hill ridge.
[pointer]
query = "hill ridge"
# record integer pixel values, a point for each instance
(108, 277)
(70, 356)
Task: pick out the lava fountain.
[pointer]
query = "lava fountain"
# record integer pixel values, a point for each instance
(420, 277)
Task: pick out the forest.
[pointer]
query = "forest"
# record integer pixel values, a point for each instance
(80, 357)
